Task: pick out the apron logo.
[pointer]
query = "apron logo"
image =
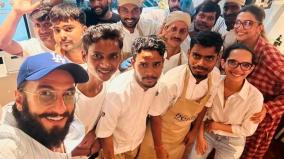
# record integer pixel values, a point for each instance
(182, 117)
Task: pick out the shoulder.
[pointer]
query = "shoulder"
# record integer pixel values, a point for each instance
(121, 82)
(174, 74)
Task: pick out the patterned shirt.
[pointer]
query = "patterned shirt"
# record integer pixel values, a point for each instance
(268, 77)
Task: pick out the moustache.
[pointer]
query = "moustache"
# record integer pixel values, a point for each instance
(177, 39)
(44, 115)
(200, 68)
(149, 77)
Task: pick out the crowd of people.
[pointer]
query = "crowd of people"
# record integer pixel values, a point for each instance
(164, 84)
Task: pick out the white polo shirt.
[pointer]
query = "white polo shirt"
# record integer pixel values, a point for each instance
(236, 110)
(171, 86)
(125, 111)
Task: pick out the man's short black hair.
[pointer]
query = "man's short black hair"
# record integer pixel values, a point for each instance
(207, 39)
(151, 42)
(67, 11)
(209, 6)
(101, 32)
(240, 46)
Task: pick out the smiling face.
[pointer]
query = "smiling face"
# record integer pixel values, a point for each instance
(176, 33)
(44, 119)
(148, 65)
(68, 34)
(99, 7)
(238, 74)
(247, 28)
(103, 59)
(129, 14)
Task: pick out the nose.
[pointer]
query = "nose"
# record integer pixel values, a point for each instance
(59, 105)
(201, 62)
(105, 63)
(63, 35)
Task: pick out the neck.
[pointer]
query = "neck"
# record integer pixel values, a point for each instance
(75, 55)
(250, 42)
(60, 148)
(50, 44)
(91, 88)
(172, 51)
(131, 30)
(107, 16)
(233, 86)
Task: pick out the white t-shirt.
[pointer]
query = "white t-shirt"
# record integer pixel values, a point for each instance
(172, 83)
(89, 109)
(33, 46)
(16, 144)
(125, 111)
(236, 110)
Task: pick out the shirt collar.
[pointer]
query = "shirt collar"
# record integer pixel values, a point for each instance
(243, 93)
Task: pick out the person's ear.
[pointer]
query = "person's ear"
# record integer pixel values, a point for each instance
(85, 55)
(19, 99)
(223, 64)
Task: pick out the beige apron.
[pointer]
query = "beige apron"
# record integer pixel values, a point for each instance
(175, 125)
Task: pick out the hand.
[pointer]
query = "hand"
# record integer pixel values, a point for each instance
(88, 146)
(126, 63)
(24, 6)
(210, 125)
(161, 153)
(258, 117)
(201, 145)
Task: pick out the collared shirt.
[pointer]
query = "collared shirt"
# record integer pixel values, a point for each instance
(15, 144)
(174, 61)
(171, 86)
(268, 77)
(144, 27)
(125, 111)
(37, 47)
(236, 110)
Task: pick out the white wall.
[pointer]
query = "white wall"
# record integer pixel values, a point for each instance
(274, 23)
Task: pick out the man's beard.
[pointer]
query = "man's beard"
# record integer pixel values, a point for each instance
(174, 9)
(198, 77)
(102, 14)
(126, 25)
(28, 122)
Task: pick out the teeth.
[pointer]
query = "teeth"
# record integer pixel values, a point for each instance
(129, 21)
(102, 71)
(55, 118)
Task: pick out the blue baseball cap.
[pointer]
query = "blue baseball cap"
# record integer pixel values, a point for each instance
(37, 66)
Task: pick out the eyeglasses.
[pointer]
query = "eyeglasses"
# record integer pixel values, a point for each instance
(48, 97)
(245, 66)
(247, 24)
